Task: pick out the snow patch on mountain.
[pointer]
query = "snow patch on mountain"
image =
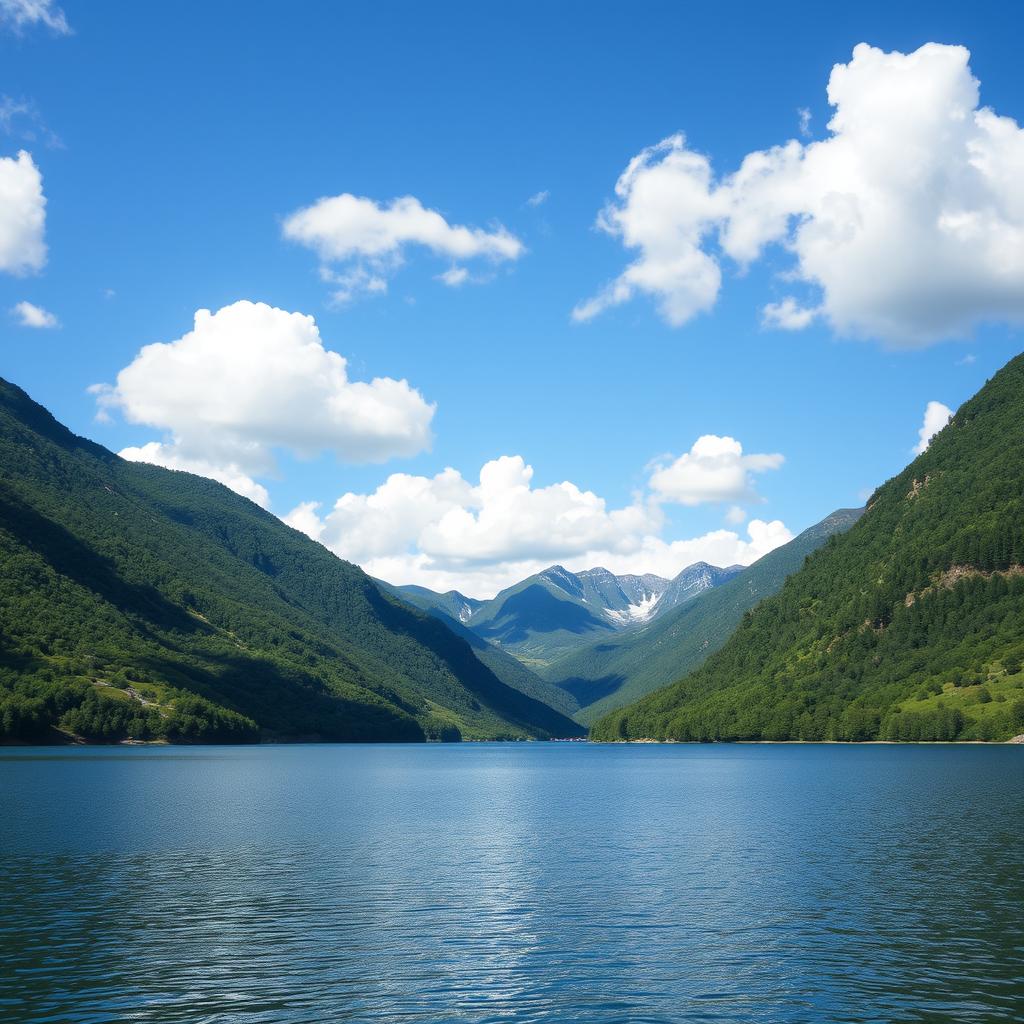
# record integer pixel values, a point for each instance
(634, 613)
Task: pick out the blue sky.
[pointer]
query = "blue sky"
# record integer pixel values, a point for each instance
(174, 141)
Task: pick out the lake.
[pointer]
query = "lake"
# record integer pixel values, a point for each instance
(512, 882)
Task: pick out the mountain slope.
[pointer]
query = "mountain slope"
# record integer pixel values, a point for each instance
(909, 626)
(612, 673)
(541, 617)
(508, 669)
(453, 604)
(691, 583)
(622, 598)
(138, 601)
(548, 616)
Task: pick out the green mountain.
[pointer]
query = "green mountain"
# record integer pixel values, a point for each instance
(910, 626)
(453, 604)
(508, 669)
(141, 602)
(614, 672)
(539, 618)
(556, 612)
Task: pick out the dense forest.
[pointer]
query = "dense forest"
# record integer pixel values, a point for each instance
(141, 603)
(616, 671)
(908, 627)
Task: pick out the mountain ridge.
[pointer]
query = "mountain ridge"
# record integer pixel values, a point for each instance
(509, 669)
(607, 674)
(142, 602)
(554, 611)
(909, 626)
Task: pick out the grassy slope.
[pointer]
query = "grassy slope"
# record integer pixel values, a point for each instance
(173, 586)
(615, 672)
(875, 637)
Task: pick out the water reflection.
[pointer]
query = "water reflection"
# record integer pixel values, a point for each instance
(520, 882)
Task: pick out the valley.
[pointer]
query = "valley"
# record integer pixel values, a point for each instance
(139, 603)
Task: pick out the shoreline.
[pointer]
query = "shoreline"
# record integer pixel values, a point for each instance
(1013, 741)
(77, 742)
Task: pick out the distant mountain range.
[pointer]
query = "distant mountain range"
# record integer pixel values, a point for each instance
(908, 626)
(140, 602)
(593, 641)
(589, 642)
(506, 667)
(554, 612)
(453, 604)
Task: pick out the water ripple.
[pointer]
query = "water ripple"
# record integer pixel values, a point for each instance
(526, 883)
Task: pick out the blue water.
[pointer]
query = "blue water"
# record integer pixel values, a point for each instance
(512, 882)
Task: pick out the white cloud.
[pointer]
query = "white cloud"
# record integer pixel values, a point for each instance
(713, 470)
(251, 378)
(20, 14)
(352, 283)
(30, 315)
(736, 515)
(454, 276)
(304, 518)
(369, 239)
(448, 532)
(666, 208)
(11, 112)
(502, 517)
(936, 416)
(22, 215)
(170, 457)
(805, 121)
(21, 119)
(538, 198)
(787, 315)
(968, 360)
(908, 219)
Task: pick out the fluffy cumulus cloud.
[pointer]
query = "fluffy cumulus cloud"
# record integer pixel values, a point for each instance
(787, 315)
(250, 379)
(906, 223)
(448, 532)
(22, 215)
(361, 242)
(30, 315)
(714, 469)
(936, 416)
(666, 205)
(18, 15)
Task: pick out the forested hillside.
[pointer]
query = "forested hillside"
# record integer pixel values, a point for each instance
(510, 670)
(611, 673)
(145, 603)
(908, 627)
